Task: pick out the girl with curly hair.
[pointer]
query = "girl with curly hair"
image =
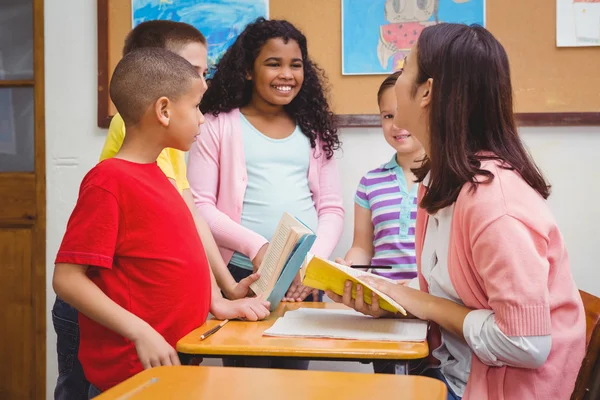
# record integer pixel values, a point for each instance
(267, 148)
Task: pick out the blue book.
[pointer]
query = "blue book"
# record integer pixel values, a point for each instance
(284, 258)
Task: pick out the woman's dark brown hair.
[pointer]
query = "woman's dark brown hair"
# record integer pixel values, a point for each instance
(471, 113)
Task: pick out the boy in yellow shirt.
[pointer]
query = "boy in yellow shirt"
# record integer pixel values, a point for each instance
(189, 43)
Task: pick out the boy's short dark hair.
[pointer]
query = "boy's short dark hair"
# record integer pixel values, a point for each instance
(145, 75)
(163, 34)
(388, 82)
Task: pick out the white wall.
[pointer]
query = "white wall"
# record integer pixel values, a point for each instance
(73, 142)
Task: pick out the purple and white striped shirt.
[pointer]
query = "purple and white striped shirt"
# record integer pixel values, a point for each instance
(384, 191)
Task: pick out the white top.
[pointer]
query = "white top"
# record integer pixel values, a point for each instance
(483, 336)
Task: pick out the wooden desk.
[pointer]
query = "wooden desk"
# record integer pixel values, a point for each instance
(240, 338)
(271, 384)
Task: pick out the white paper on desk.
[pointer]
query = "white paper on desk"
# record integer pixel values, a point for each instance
(347, 324)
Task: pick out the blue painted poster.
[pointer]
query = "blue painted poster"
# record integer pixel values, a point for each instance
(377, 34)
(221, 21)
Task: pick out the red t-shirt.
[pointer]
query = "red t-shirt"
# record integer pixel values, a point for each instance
(135, 231)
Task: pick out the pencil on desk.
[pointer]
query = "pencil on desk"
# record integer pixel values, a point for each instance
(213, 330)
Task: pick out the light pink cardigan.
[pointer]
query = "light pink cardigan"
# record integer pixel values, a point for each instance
(218, 180)
(506, 254)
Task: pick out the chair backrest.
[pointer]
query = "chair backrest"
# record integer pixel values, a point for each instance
(590, 367)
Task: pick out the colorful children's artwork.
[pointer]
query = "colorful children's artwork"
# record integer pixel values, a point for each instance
(221, 21)
(577, 23)
(377, 34)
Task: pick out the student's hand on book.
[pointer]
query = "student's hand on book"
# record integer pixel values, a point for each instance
(257, 260)
(250, 309)
(299, 292)
(359, 304)
(242, 289)
(153, 350)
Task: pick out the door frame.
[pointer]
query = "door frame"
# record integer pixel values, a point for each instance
(39, 232)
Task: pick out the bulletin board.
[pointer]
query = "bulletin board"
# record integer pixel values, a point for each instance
(552, 86)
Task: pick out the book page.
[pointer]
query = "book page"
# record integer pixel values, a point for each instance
(357, 273)
(277, 252)
(347, 324)
(289, 247)
(307, 259)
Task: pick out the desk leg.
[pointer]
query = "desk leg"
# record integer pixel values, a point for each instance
(188, 359)
(401, 367)
(184, 359)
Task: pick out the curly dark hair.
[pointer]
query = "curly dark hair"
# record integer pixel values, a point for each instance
(229, 89)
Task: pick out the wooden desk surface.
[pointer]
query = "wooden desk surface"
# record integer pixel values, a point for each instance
(245, 338)
(271, 384)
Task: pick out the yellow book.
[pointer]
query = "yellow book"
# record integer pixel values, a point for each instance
(327, 275)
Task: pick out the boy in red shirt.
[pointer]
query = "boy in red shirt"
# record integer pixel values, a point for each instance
(131, 260)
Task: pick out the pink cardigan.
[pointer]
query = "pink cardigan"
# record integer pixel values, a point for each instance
(506, 254)
(218, 179)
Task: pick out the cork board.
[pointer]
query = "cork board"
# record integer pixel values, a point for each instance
(552, 86)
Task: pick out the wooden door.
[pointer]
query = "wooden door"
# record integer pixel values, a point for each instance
(22, 201)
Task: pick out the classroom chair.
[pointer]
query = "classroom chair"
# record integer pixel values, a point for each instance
(587, 386)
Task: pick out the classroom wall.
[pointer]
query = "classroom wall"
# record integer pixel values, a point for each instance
(73, 143)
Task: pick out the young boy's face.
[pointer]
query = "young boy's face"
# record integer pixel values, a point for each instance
(197, 55)
(184, 124)
(187, 118)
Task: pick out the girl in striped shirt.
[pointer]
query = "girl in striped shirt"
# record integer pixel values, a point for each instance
(386, 201)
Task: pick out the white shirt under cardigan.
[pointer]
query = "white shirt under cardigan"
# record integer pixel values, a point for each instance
(482, 334)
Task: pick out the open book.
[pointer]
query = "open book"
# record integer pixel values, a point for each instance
(347, 324)
(327, 275)
(285, 254)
